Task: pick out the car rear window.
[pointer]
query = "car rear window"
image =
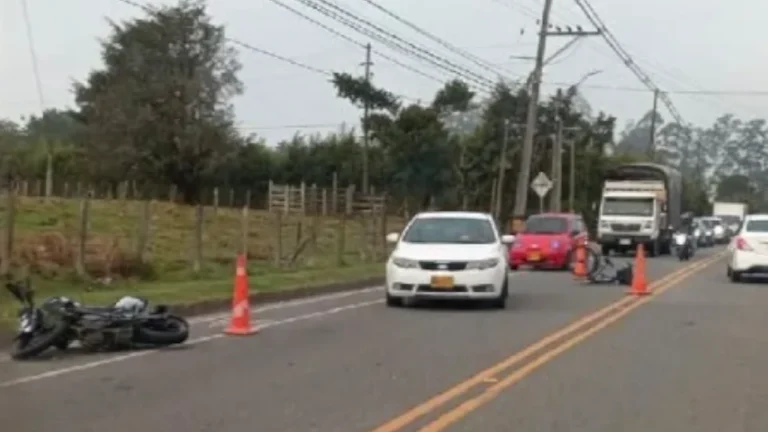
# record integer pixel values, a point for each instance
(546, 225)
(759, 226)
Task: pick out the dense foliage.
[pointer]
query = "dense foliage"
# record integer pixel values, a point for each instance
(159, 111)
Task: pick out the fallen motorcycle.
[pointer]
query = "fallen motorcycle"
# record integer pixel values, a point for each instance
(59, 321)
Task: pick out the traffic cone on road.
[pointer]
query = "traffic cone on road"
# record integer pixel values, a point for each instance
(580, 265)
(240, 323)
(639, 283)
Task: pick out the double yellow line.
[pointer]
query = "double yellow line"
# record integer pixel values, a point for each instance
(547, 349)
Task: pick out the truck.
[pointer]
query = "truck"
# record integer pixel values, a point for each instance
(640, 204)
(731, 213)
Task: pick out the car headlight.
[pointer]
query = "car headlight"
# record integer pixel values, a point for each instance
(697, 232)
(483, 264)
(648, 225)
(405, 262)
(605, 225)
(718, 230)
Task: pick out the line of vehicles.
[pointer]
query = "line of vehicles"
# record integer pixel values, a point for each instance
(465, 255)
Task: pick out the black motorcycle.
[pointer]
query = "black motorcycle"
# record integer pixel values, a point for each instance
(59, 321)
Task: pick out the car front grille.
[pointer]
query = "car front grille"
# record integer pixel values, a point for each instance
(443, 265)
(625, 227)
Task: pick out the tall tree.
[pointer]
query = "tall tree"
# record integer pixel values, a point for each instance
(160, 107)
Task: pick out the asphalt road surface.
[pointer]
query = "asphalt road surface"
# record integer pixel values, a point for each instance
(684, 359)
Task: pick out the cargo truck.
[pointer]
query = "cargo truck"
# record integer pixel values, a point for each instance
(640, 204)
(731, 213)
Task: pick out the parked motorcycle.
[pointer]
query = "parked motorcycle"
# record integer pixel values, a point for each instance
(59, 321)
(685, 245)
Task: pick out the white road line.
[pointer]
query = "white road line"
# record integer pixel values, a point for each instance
(216, 320)
(120, 358)
(287, 304)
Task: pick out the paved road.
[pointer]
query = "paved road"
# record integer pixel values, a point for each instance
(693, 359)
(346, 363)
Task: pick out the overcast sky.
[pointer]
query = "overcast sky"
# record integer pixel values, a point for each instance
(687, 45)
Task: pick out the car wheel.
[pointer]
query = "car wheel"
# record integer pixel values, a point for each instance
(501, 301)
(393, 301)
(568, 263)
(734, 276)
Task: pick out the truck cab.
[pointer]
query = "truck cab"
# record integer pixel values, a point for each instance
(635, 209)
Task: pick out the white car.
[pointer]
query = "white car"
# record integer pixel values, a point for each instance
(449, 255)
(749, 248)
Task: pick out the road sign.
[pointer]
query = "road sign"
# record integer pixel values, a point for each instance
(541, 184)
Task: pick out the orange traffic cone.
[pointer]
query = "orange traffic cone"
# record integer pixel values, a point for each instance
(580, 266)
(639, 283)
(240, 324)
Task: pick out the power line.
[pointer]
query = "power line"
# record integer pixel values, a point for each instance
(395, 42)
(33, 54)
(613, 43)
(456, 50)
(353, 41)
(245, 45)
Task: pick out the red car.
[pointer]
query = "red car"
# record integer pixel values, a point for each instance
(547, 241)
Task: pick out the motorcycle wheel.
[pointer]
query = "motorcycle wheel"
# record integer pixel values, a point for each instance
(173, 330)
(29, 347)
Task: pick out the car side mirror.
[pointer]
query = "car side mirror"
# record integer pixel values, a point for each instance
(508, 239)
(574, 233)
(393, 237)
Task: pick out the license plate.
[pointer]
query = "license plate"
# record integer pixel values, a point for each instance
(534, 256)
(625, 242)
(442, 282)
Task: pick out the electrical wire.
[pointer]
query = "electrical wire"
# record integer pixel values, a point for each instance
(613, 43)
(394, 41)
(354, 42)
(454, 49)
(33, 55)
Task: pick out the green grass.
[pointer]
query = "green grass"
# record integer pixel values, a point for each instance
(46, 238)
(179, 293)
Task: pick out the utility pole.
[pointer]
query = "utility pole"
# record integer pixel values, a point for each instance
(572, 177)
(652, 137)
(502, 169)
(556, 195)
(524, 174)
(366, 113)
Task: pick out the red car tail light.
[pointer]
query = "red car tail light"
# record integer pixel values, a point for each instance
(742, 245)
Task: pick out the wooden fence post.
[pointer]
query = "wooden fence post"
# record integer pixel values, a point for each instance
(278, 253)
(142, 238)
(197, 250)
(335, 194)
(341, 239)
(85, 205)
(10, 222)
(244, 221)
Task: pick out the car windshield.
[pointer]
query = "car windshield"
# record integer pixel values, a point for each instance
(447, 230)
(707, 223)
(716, 222)
(757, 226)
(628, 206)
(546, 225)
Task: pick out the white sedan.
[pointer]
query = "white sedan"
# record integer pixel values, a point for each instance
(749, 248)
(449, 255)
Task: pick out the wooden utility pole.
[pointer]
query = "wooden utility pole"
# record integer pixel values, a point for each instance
(652, 135)
(502, 170)
(556, 194)
(524, 174)
(366, 113)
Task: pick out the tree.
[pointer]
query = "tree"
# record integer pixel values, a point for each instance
(160, 107)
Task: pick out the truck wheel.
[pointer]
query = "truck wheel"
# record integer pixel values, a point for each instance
(653, 248)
